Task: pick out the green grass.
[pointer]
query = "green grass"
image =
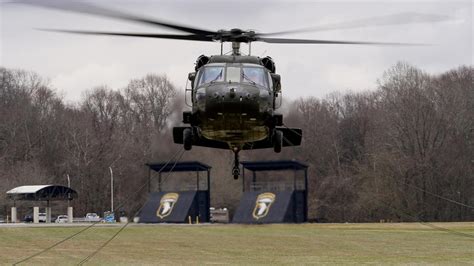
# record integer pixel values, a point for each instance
(239, 244)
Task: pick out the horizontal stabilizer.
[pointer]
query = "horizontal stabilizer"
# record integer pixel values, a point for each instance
(291, 137)
(203, 142)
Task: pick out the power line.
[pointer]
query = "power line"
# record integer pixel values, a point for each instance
(171, 170)
(103, 245)
(425, 223)
(128, 222)
(413, 186)
(436, 195)
(94, 223)
(414, 217)
(296, 132)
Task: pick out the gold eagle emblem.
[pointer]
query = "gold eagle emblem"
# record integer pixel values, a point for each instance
(167, 203)
(262, 205)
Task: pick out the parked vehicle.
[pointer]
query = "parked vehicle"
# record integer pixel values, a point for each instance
(28, 219)
(42, 217)
(92, 217)
(61, 219)
(219, 215)
(109, 217)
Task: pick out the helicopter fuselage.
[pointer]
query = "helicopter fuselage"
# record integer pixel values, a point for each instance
(233, 107)
(237, 107)
(234, 99)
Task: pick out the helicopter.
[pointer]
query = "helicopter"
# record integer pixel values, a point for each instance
(234, 97)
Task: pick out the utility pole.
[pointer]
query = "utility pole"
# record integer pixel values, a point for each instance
(111, 190)
(70, 213)
(69, 186)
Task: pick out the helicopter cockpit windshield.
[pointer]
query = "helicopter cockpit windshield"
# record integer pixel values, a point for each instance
(211, 74)
(254, 75)
(233, 73)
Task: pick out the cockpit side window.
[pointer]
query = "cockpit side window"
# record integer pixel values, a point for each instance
(270, 81)
(211, 74)
(254, 75)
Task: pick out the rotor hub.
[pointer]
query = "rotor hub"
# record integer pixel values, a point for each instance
(235, 35)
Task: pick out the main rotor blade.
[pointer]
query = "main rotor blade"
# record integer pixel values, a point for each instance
(190, 37)
(396, 19)
(303, 41)
(85, 8)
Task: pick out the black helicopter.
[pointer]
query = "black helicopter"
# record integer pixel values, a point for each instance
(234, 97)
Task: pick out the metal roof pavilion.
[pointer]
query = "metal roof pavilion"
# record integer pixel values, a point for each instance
(41, 192)
(189, 166)
(274, 165)
(179, 166)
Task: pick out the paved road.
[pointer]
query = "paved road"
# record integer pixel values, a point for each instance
(20, 225)
(30, 225)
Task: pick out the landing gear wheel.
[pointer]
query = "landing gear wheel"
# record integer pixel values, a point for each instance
(236, 173)
(188, 139)
(277, 141)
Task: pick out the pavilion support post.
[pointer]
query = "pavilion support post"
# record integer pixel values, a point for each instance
(197, 180)
(35, 215)
(208, 211)
(14, 215)
(70, 214)
(254, 181)
(149, 180)
(306, 194)
(209, 186)
(48, 212)
(243, 179)
(209, 180)
(159, 182)
(294, 179)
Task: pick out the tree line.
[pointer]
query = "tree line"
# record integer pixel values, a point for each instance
(392, 153)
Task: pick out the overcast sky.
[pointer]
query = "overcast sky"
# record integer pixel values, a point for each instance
(75, 63)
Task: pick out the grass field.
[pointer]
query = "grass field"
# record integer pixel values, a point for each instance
(239, 244)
